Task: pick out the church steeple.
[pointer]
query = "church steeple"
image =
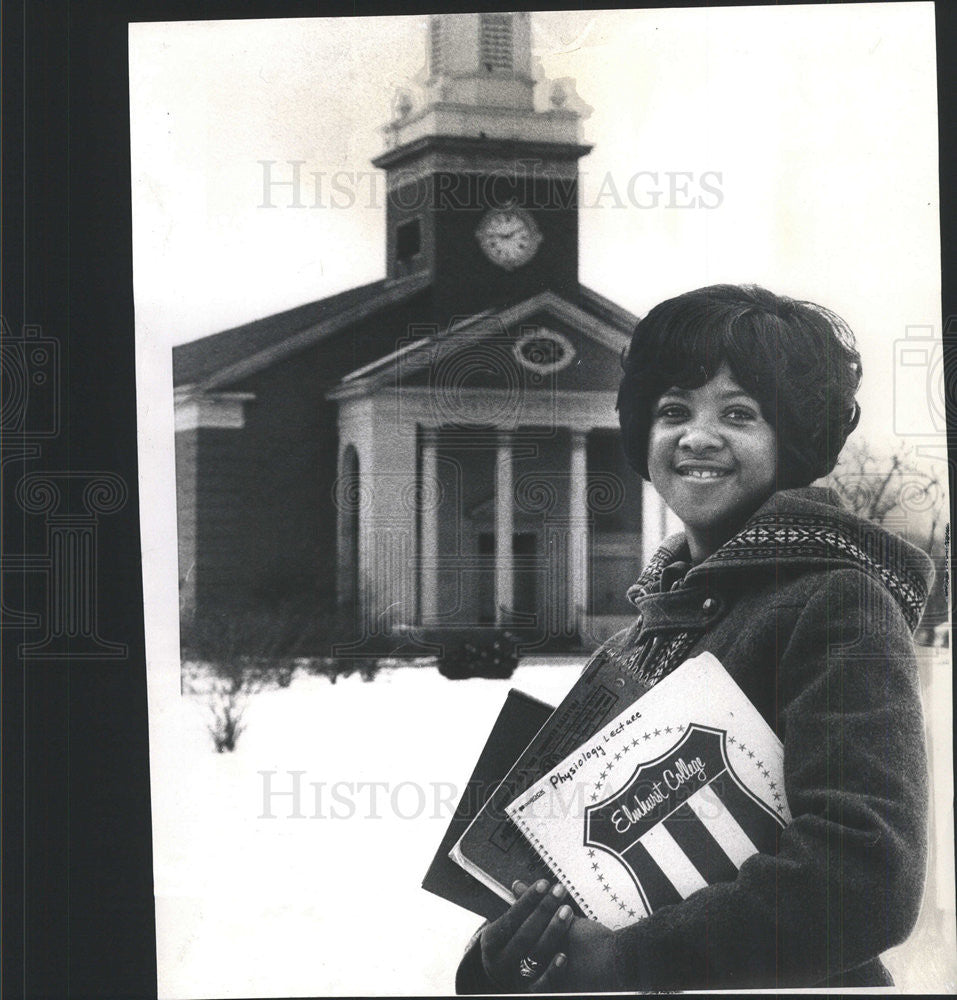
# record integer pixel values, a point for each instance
(482, 186)
(480, 84)
(493, 48)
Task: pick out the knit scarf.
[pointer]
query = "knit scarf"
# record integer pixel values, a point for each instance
(827, 539)
(649, 658)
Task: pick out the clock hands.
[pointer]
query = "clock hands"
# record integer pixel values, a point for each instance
(496, 230)
(508, 237)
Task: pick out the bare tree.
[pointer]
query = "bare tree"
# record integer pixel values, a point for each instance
(229, 656)
(908, 496)
(896, 490)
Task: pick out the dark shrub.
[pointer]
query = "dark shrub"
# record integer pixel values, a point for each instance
(476, 652)
(332, 668)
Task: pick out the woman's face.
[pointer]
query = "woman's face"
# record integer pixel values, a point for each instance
(712, 456)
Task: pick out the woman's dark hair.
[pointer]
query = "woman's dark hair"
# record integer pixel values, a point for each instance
(797, 359)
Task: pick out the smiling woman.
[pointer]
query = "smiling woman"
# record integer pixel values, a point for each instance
(731, 393)
(797, 360)
(733, 401)
(713, 458)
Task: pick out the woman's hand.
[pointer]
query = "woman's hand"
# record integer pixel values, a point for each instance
(520, 949)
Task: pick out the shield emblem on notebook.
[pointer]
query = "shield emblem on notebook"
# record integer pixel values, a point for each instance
(683, 820)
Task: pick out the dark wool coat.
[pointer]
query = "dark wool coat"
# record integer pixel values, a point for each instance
(811, 610)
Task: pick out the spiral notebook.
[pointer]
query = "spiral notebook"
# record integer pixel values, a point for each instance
(675, 793)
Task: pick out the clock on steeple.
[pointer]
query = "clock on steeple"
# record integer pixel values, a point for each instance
(482, 187)
(509, 236)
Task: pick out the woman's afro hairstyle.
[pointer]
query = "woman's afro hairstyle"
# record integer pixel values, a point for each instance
(797, 359)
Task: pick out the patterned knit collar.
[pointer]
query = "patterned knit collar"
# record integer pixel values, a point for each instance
(806, 529)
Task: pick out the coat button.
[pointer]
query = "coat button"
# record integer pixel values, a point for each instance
(710, 605)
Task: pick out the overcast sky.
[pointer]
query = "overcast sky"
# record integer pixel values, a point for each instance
(804, 139)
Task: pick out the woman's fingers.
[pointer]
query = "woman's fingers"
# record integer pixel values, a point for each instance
(549, 980)
(527, 939)
(524, 941)
(547, 950)
(498, 934)
(554, 935)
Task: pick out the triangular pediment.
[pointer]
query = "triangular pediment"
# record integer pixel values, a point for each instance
(544, 342)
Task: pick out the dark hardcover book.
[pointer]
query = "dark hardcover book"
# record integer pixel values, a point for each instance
(519, 720)
(493, 849)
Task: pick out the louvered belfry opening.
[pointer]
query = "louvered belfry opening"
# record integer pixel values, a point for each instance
(496, 41)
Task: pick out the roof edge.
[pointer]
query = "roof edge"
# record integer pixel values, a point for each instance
(392, 294)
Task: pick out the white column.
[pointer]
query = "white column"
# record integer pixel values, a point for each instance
(429, 557)
(657, 522)
(578, 532)
(348, 499)
(504, 529)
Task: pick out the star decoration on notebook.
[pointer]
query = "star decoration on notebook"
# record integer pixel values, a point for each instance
(634, 742)
(657, 732)
(731, 739)
(606, 887)
(601, 878)
(617, 756)
(647, 736)
(631, 913)
(614, 898)
(667, 729)
(594, 796)
(591, 854)
(621, 906)
(594, 866)
(603, 775)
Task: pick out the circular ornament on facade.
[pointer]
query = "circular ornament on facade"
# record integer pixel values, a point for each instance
(508, 236)
(544, 351)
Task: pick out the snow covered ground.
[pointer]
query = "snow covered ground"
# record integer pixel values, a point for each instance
(328, 904)
(259, 894)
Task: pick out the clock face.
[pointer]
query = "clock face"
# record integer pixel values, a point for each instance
(508, 237)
